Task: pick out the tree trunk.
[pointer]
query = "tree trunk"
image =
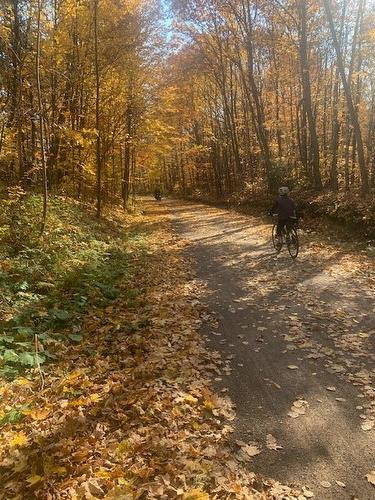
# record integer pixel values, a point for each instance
(41, 123)
(349, 101)
(16, 98)
(370, 142)
(127, 155)
(97, 116)
(306, 88)
(335, 136)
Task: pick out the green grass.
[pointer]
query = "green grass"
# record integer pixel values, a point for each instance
(47, 284)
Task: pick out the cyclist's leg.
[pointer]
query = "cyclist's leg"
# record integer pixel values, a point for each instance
(289, 224)
(280, 227)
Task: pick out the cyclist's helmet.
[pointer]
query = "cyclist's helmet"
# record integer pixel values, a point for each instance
(283, 191)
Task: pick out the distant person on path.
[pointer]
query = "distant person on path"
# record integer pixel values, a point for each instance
(285, 208)
(157, 194)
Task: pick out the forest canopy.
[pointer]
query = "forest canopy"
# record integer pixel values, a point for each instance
(276, 91)
(105, 98)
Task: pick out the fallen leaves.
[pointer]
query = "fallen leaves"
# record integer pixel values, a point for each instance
(22, 381)
(368, 425)
(271, 382)
(40, 414)
(90, 489)
(251, 450)
(371, 477)
(331, 388)
(325, 484)
(34, 479)
(18, 440)
(298, 408)
(195, 494)
(307, 493)
(271, 443)
(191, 399)
(247, 451)
(341, 484)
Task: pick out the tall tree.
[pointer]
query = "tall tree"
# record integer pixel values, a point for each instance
(307, 100)
(97, 115)
(41, 119)
(349, 100)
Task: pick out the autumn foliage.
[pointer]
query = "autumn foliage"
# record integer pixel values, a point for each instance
(271, 93)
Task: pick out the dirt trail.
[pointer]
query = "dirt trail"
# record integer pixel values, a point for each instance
(298, 338)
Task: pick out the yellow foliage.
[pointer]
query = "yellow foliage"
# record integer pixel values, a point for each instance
(23, 382)
(34, 479)
(40, 414)
(95, 398)
(191, 399)
(195, 494)
(18, 440)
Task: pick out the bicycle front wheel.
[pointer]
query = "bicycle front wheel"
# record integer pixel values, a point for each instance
(276, 240)
(293, 243)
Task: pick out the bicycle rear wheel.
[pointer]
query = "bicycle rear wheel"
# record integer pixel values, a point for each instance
(276, 240)
(293, 243)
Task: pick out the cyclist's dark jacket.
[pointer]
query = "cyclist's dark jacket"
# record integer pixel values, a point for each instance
(284, 207)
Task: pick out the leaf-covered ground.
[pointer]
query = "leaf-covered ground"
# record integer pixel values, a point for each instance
(127, 409)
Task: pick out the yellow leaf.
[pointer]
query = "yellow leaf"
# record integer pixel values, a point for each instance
(73, 377)
(190, 399)
(68, 390)
(209, 405)
(124, 446)
(104, 474)
(86, 383)
(195, 495)
(34, 479)
(19, 439)
(24, 382)
(40, 414)
(78, 402)
(95, 398)
(60, 471)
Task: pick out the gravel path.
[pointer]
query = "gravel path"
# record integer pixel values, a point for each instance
(298, 340)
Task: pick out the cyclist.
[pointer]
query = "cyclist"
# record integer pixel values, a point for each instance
(285, 208)
(157, 193)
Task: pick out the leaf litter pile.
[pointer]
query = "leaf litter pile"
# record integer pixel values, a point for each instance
(129, 412)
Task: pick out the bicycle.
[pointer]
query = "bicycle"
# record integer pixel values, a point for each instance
(289, 236)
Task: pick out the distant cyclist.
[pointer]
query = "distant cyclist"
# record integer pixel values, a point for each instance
(286, 210)
(157, 194)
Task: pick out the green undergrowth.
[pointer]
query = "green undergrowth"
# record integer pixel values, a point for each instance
(48, 283)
